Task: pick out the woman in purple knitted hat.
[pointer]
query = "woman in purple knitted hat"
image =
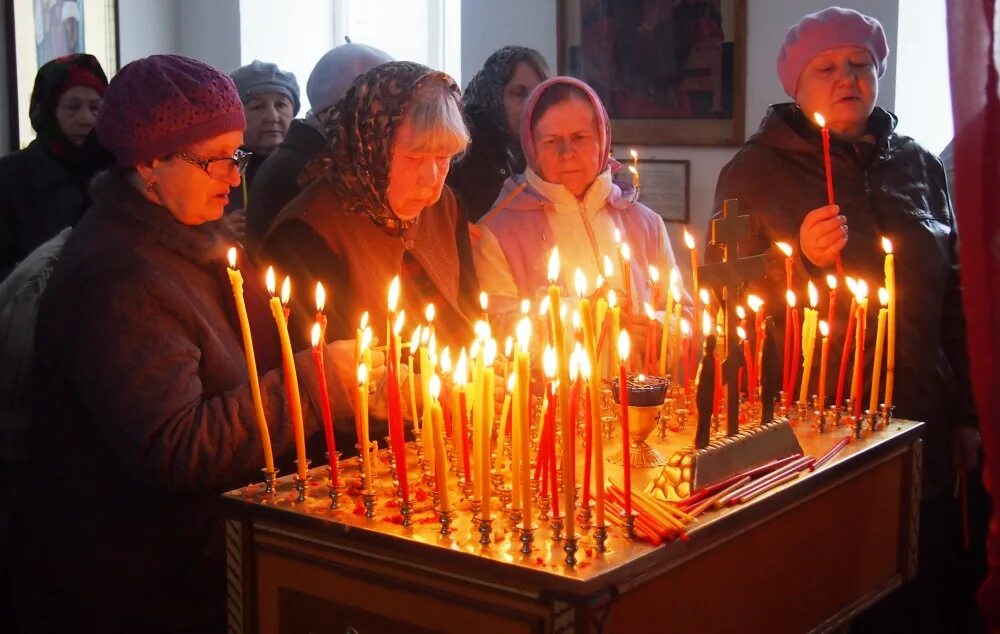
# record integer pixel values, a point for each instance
(884, 185)
(143, 411)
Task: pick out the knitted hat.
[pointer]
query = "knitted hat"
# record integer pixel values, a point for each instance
(336, 71)
(159, 104)
(829, 28)
(258, 78)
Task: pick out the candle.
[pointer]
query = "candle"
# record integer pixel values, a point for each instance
(825, 133)
(426, 370)
(756, 304)
(488, 356)
(665, 335)
(634, 168)
(831, 282)
(786, 249)
(649, 360)
(741, 334)
(883, 298)
(824, 331)
(484, 302)
(614, 323)
(791, 330)
(890, 287)
(363, 418)
(809, 324)
(396, 434)
(851, 320)
(675, 294)
(440, 466)
(689, 242)
(411, 379)
(278, 308)
(569, 484)
(623, 352)
(320, 315)
(324, 399)
(588, 412)
(626, 263)
(859, 352)
(686, 352)
(236, 280)
(523, 398)
(595, 456)
(460, 432)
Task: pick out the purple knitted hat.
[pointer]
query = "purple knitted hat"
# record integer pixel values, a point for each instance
(157, 105)
(829, 28)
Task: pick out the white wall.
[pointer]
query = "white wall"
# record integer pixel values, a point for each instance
(209, 30)
(147, 27)
(922, 84)
(488, 25)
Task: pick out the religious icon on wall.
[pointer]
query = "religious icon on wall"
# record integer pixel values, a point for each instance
(671, 72)
(42, 30)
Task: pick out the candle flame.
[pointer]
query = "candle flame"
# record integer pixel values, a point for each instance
(366, 338)
(649, 310)
(554, 265)
(626, 252)
(609, 269)
(574, 366)
(685, 327)
(362, 375)
(852, 285)
(813, 295)
(475, 348)
(508, 346)
(599, 282)
(785, 248)
(741, 312)
(585, 368)
(320, 297)
(654, 274)
(635, 155)
(688, 240)
(676, 293)
(562, 311)
(633, 171)
(831, 281)
(612, 299)
(549, 362)
(286, 290)
(706, 323)
(398, 326)
(415, 340)
(429, 313)
(484, 300)
(790, 297)
(820, 120)
(862, 289)
(232, 257)
(675, 277)
(741, 333)
(576, 319)
(269, 280)
(886, 245)
(824, 328)
(461, 369)
(883, 297)
(623, 344)
(490, 351)
(394, 294)
(446, 361)
(434, 386)
(511, 380)
(523, 332)
(316, 330)
(580, 283)
(364, 320)
(543, 306)
(618, 235)
(525, 306)
(703, 294)
(755, 303)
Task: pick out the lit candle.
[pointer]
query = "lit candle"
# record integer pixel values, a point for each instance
(596, 454)
(634, 168)
(859, 352)
(588, 455)
(825, 133)
(831, 282)
(791, 341)
(626, 262)
(396, 433)
(809, 324)
(320, 315)
(649, 360)
(484, 303)
(623, 352)
(665, 335)
(426, 370)
(844, 355)
(461, 425)
(489, 354)
(278, 308)
(756, 304)
(569, 486)
(824, 331)
(786, 249)
(890, 287)
(411, 379)
(523, 399)
(883, 298)
(440, 465)
(614, 321)
(689, 242)
(236, 280)
(363, 418)
(741, 334)
(324, 400)
(675, 295)
(686, 353)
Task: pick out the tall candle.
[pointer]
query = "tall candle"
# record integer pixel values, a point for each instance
(649, 358)
(440, 463)
(848, 341)
(320, 315)
(626, 260)
(596, 457)
(824, 331)
(689, 242)
(623, 352)
(522, 370)
(741, 334)
(324, 400)
(831, 282)
(288, 365)
(236, 280)
(665, 335)
(786, 249)
(412, 378)
(568, 468)
(396, 433)
(678, 307)
(859, 350)
(890, 287)
(791, 327)
(825, 135)
(809, 325)
(883, 298)
(483, 467)
(756, 304)
(363, 419)
(460, 433)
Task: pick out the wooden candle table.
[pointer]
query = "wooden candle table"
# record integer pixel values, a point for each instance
(805, 556)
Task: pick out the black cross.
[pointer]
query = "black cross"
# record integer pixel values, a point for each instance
(727, 275)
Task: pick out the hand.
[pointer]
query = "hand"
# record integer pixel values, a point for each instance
(822, 235)
(965, 444)
(341, 354)
(475, 232)
(236, 223)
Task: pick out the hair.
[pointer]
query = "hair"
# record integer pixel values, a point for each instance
(558, 93)
(532, 58)
(436, 119)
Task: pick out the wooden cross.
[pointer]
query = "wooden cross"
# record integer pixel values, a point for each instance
(728, 275)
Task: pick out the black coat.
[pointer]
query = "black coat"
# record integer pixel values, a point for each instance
(41, 194)
(276, 182)
(143, 417)
(479, 175)
(894, 188)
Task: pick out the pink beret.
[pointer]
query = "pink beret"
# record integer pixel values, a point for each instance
(829, 28)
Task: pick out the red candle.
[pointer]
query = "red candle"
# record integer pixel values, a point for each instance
(786, 249)
(623, 351)
(550, 425)
(796, 353)
(860, 365)
(588, 443)
(464, 432)
(324, 402)
(831, 281)
(845, 355)
(396, 435)
(751, 374)
(825, 134)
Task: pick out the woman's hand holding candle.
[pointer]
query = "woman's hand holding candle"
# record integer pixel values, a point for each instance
(823, 235)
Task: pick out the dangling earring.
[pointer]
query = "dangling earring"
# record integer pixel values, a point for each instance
(149, 187)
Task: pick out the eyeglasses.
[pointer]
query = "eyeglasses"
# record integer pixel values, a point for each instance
(219, 168)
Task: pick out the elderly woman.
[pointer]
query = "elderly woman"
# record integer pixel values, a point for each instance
(886, 185)
(144, 413)
(493, 103)
(44, 186)
(277, 181)
(569, 201)
(383, 208)
(270, 99)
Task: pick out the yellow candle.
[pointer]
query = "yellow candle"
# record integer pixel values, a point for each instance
(615, 314)
(486, 396)
(568, 468)
(883, 298)
(515, 437)
(522, 371)
(411, 379)
(440, 463)
(809, 324)
(236, 280)
(477, 421)
(363, 418)
(458, 429)
(288, 363)
(890, 287)
(593, 389)
(824, 355)
(634, 168)
(862, 300)
(689, 241)
(667, 325)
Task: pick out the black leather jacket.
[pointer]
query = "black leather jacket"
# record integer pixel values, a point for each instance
(888, 186)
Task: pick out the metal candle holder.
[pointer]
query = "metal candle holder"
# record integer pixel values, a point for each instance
(446, 517)
(557, 527)
(335, 490)
(406, 511)
(300, 483)
(270, 479)
(527, 536)
(886, 411)
(601, 538)
(570, 547)
(630, 524)
(368, 499)
(485, 531)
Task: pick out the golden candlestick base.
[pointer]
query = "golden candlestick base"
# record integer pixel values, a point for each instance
(641, 423)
